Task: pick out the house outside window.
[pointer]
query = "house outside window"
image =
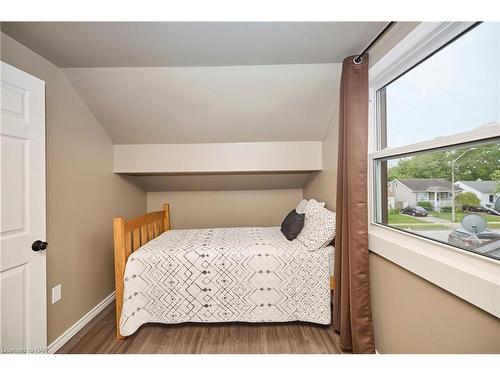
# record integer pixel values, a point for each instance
(486, 191)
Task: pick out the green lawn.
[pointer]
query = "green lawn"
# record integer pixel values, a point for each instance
(408, 222)
(396, 218)
(400, 221)
(459, 216)
(417, 227)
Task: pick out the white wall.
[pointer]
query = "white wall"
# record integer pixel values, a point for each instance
(210, 209)
(83, 194)
(322, 185)
(411, 315)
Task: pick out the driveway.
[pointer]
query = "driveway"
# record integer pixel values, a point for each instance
(437, 220)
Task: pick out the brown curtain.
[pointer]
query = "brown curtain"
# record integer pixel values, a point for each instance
(352, 316)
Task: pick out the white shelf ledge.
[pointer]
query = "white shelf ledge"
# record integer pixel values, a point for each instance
(265, 157)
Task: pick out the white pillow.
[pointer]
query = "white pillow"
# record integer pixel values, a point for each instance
(301, 207)
(319, 226)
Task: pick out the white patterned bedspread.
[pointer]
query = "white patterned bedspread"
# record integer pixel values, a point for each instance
(225, 275)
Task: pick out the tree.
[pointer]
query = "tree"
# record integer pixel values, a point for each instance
(467, 199)
(481, 163)
(433, 165)
(478, 164)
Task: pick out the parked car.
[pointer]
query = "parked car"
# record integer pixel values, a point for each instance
(414, 211)
(487, 208)
(474, 209)
(490, 209)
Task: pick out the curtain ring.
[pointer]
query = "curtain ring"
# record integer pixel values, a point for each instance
(357, 60)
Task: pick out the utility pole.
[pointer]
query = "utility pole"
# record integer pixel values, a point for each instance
(453, 183)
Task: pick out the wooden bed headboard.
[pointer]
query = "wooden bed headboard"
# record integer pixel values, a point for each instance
(128, 237)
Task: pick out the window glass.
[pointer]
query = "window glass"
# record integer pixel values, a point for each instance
(455, 90)
(419, 194)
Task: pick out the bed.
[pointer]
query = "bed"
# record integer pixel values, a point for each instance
(247, 274)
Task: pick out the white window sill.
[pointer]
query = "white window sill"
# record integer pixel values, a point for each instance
(472, 277)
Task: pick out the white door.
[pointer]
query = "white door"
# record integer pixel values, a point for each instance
(22, 270)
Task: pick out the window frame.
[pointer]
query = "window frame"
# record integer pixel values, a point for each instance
(470, 276)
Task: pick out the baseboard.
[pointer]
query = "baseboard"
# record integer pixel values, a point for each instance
(73, 330)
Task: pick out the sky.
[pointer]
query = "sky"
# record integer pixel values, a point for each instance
(456, 90)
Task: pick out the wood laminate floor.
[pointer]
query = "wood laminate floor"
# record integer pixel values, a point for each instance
(233, 338)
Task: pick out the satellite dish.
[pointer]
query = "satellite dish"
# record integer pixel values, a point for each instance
(497, 204)
(473, 223)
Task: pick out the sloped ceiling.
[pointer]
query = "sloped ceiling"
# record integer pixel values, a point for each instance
(210, 104)
(127, 44)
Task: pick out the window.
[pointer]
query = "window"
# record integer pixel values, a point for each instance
(455, 90)
(438, 128)
(422, 197)
(422, 203)
(402, 152)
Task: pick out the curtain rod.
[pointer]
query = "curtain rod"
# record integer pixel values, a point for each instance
(359, 58)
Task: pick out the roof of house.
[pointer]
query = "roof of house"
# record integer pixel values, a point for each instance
(428, 184)
(486, 187)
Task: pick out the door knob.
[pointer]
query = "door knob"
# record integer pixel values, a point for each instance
(39, 245)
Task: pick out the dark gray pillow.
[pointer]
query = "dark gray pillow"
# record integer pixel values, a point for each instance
(292, 225)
